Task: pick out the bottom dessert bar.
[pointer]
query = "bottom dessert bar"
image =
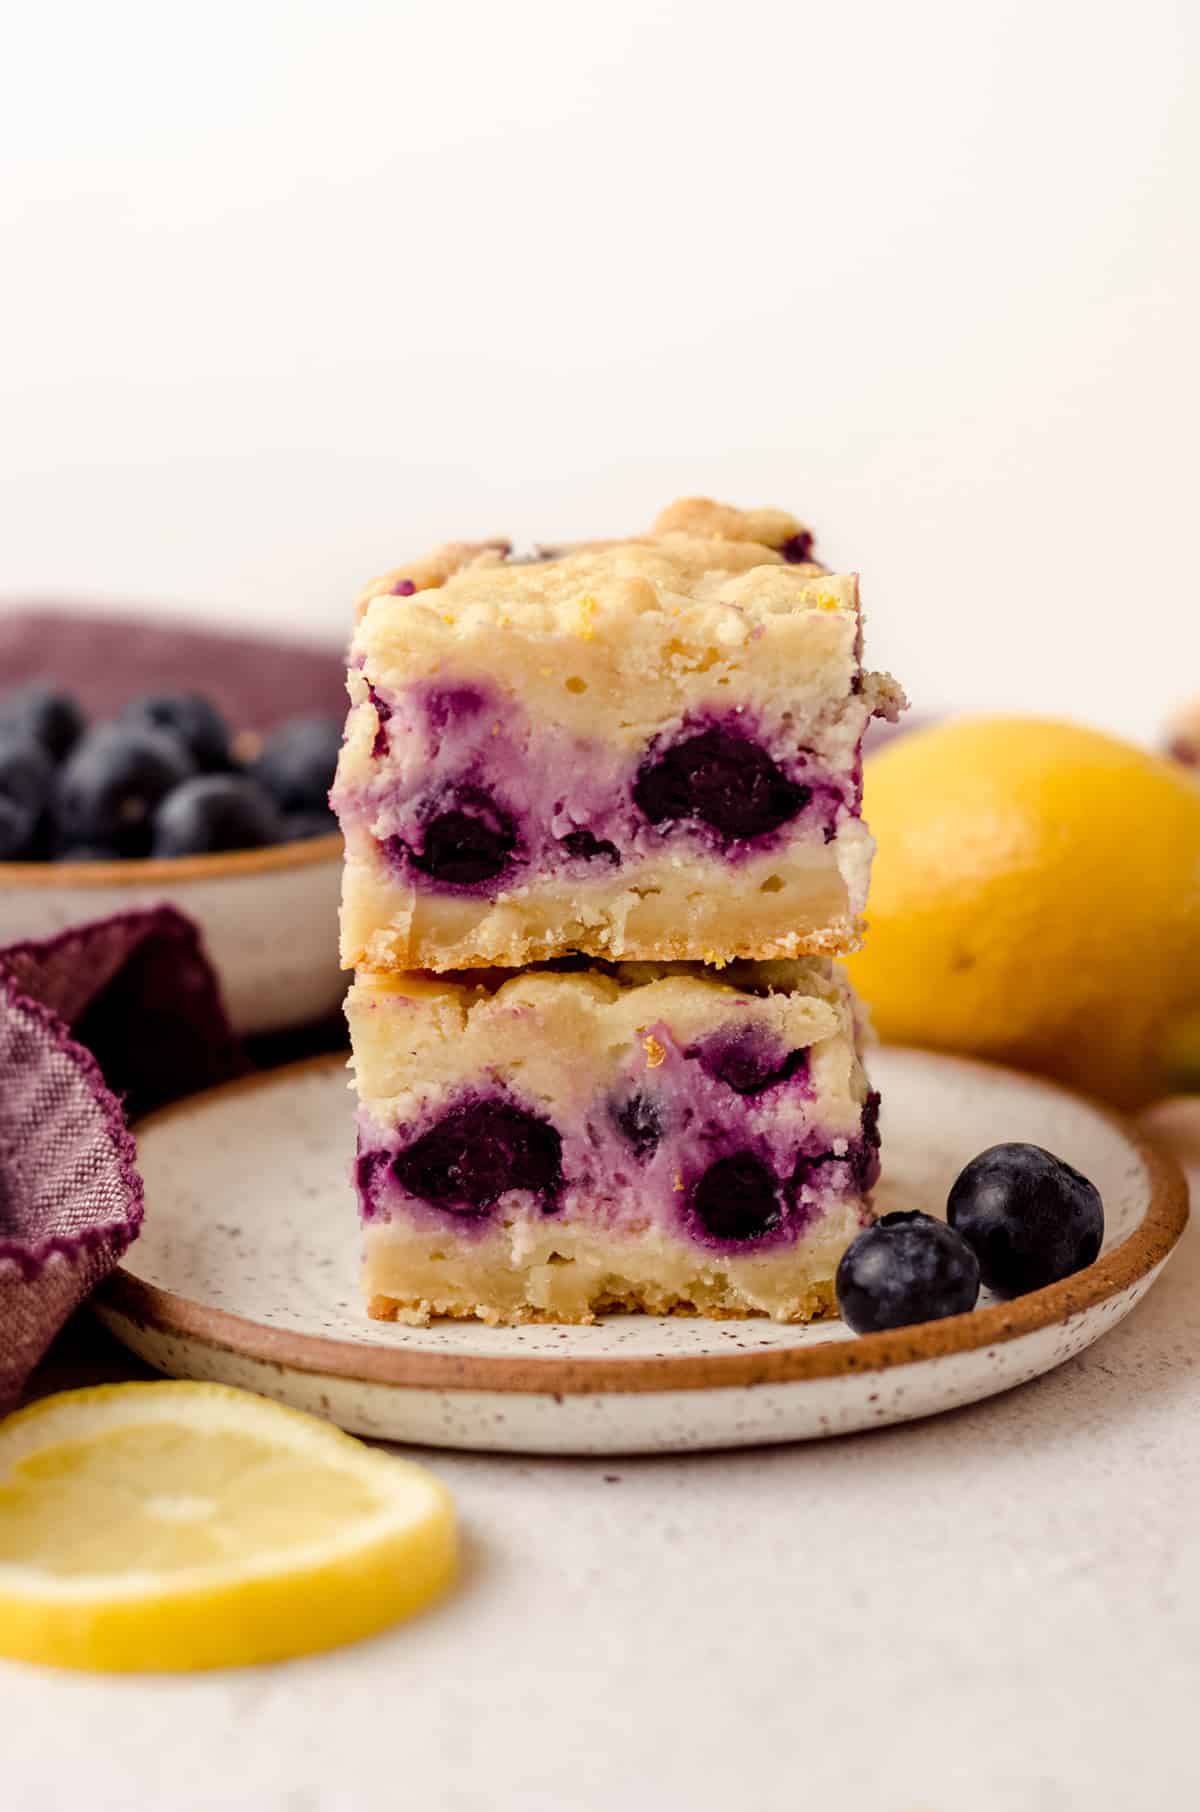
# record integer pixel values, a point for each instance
(561, 1142)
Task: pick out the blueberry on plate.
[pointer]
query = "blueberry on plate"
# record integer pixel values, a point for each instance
(44, 716)
(190, 716)
(112, 783)
(908, 1267)
(1029, 1217)
(297, 763)
(26, 778)
(214, 812)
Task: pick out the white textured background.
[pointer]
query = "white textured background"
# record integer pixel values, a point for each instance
(288, 290)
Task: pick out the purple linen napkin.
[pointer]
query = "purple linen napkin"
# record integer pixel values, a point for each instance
(106, 1020)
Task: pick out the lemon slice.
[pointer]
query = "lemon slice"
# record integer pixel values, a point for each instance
(177, 1526)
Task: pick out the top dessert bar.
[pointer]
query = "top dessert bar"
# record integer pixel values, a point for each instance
(639, 750)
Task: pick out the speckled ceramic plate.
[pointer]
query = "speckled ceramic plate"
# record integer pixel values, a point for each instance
(246, 1271)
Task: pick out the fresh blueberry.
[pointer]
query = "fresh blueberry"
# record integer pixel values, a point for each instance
(1030, 1218)
(475, 1154)
(26, 778)
(16, 831)
(472, 841)
(113, 782)
(192, 717)
(43, 715)
(906, 1268)
(725, 780)
(639, 1123)
(26, 770)
(44, 845)
(85, 852)
(214, 812)
(737, 1198)
(585, 844)
(297, 763)
(747, 1060)
(298, 827)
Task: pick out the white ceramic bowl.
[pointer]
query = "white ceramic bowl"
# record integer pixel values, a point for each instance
(268, 918)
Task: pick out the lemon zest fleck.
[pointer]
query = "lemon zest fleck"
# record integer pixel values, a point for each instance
(587, 610)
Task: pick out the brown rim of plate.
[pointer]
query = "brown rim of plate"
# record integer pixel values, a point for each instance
(149, 871)
(1151, 1242)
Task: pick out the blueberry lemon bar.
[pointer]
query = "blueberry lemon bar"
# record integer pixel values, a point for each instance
(565, 1140)
(647, 749)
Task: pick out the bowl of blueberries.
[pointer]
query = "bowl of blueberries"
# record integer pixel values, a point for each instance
(165, 800)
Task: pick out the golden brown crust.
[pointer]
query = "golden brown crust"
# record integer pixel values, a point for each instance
(391, 951)
(817, 1302)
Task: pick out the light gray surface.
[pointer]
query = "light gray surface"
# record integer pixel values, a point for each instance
(994, 1611)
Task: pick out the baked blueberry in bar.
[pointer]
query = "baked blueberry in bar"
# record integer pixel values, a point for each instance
(644, 750)
(556, 1143)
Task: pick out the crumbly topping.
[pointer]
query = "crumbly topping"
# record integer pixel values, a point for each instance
(725, 588)
(886, 697)
(773, 534)
(707, 520)
(432, 570)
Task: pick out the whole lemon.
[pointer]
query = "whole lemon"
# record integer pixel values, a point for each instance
(1035, 900)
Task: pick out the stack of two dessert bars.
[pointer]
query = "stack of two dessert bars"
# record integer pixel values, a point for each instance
(603, 836)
